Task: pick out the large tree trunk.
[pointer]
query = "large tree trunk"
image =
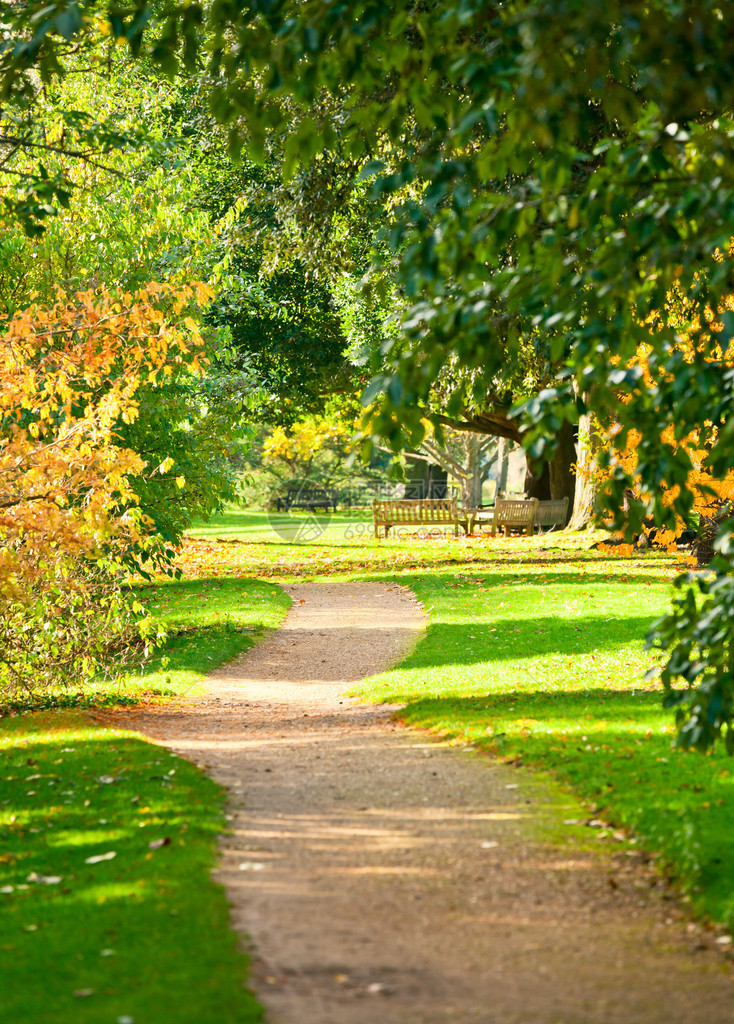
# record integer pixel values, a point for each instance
(554, 479)
(562, 477)
(503, 465)
(586, 487)
(472, 489)
(537, 480)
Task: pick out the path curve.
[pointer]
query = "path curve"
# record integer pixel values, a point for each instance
(384, 878)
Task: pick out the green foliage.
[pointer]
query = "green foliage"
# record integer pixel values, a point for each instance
(287, 330)
(124, 223)
(192, 432)
(282, 320)
(699, 630)
(50, 135)
(70, 625)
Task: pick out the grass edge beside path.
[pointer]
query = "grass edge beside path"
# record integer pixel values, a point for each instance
(142, 933)
(106, 847)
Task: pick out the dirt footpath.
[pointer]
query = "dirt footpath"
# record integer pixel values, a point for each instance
(381, 878)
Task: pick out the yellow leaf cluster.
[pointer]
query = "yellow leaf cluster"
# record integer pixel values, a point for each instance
(68, 375)
(305, 439)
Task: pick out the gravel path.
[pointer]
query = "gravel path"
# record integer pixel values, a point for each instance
(384, 878)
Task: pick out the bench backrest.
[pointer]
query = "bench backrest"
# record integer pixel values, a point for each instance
(552, 513)
(422, 510)
(515, 513)
(308, 493)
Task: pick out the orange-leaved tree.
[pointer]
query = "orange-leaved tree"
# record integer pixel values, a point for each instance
(69, 375)
(709, 493)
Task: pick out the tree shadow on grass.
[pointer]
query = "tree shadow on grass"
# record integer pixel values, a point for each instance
(519, 639)
(483, 574)
(74, 797)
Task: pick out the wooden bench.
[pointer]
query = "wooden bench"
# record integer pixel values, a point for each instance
(479, 515)
(419, 512)
(551, 513)
(515, 515)
(309, 498)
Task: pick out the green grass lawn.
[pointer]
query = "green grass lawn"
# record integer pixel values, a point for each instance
(107, 910)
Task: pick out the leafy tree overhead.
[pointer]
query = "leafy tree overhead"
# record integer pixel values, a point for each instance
(280, 314)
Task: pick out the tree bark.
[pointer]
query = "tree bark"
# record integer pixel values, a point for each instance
(537, 480)
(586, 488)
(503, 464)
(562, 477)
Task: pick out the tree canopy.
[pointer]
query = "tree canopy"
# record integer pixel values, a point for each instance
(553, 175)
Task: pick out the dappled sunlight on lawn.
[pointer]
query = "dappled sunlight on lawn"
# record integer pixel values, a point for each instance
(106, 841)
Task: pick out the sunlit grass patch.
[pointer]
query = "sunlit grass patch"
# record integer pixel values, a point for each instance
(107, 910)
